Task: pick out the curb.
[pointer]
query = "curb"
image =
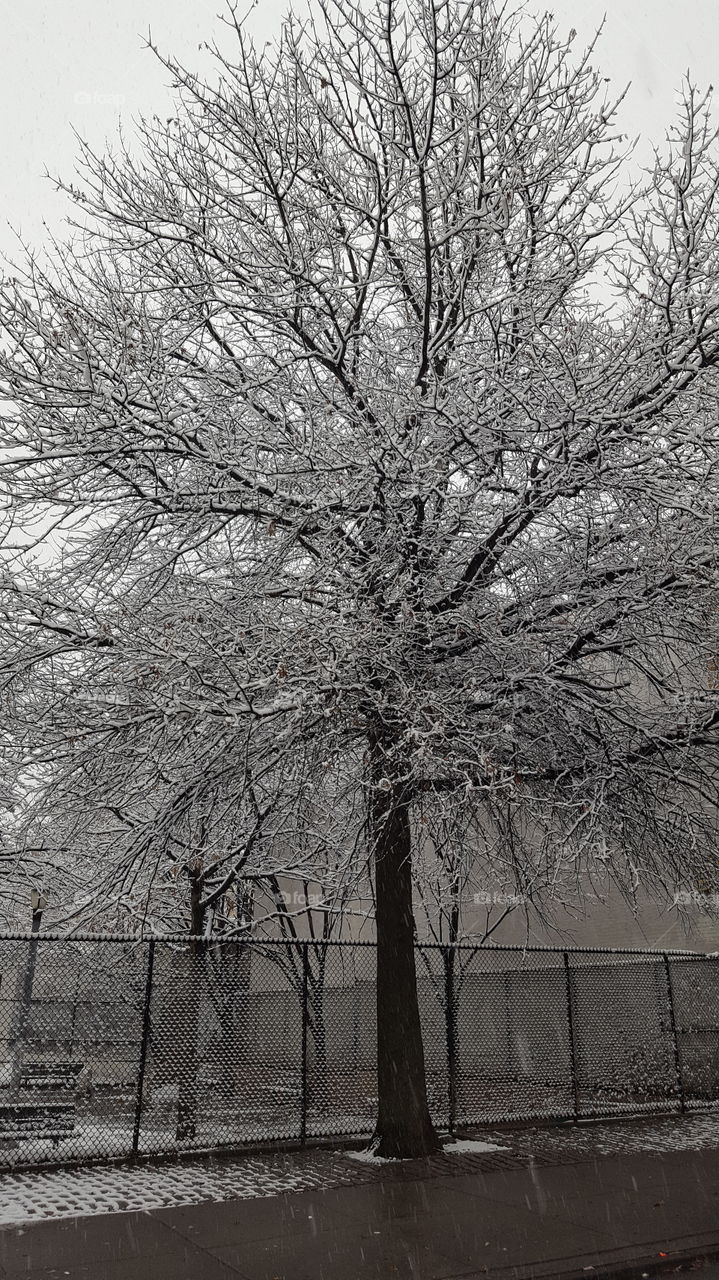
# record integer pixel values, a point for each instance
(648, 1266)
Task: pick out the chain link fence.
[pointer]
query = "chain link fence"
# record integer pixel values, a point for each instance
(112, 1047)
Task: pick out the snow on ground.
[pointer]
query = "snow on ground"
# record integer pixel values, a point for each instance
(61, 1193)
(466, 1146)
(672, 1133)
(368, 1155)
(76, 1192)
(93, 1140)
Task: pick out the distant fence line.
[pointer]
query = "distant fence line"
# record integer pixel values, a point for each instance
(114, 1046)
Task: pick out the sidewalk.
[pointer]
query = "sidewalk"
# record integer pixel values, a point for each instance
(623, 1214)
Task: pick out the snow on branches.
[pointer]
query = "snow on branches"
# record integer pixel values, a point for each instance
(369, 433)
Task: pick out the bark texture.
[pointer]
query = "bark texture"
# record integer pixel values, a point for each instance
(404, 1126)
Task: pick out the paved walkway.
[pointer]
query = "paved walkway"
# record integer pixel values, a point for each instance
(630, 1213)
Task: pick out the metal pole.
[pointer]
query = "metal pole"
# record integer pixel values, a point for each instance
(451, 1024)
(572, 1046)
(143, 1046)
(305, 1025)
(675, 1038)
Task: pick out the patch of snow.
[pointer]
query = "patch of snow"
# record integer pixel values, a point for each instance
(368, 1155)
(463, 1146)
(698, 1132)
(34, 1196)
(471, 1146)
(91, 1140)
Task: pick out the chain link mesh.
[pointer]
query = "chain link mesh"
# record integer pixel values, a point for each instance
(114, 1047)
(695, 989)
(624, 1050)
(70, 1035)
(512, 1030)
(341, 1041)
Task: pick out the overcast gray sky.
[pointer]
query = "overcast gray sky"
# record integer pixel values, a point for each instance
(82, 63)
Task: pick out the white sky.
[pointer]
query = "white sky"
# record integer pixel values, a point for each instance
(82, 63)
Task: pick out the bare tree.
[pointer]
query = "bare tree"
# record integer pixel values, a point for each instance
(375, 344)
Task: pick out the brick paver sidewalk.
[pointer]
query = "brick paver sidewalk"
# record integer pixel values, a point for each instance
(524, 1213)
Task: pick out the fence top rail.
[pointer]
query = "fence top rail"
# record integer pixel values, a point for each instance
(249, 940)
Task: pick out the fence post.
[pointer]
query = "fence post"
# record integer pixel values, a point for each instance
(143, 1046)
(305, 1025)
(451, 1025)
(572, 1046)
(675, 1038)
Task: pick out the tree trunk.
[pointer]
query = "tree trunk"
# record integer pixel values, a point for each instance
(404, 1127)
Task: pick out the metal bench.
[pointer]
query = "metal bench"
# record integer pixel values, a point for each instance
(29, 1120)
(49, 1075)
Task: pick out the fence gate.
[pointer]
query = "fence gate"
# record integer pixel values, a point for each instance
(623, 1037)
(695, 990)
